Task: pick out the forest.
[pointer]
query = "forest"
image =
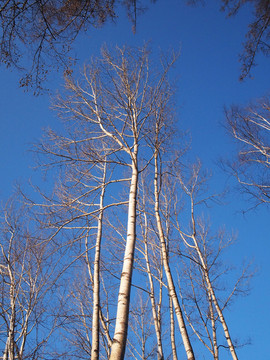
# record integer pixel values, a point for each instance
(134, 179)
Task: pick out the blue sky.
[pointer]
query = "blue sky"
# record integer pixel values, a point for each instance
(207, 79)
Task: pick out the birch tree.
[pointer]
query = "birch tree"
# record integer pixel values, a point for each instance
(112, 212)
(203, 270)
(153, 267)
(158, 145)
(26, 282)
(250, 127)
(110, 115)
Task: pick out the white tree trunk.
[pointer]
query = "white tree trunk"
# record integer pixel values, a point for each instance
(96, 277)
(172, 333)
(157, 323)
(121, 325)
(214, 330)
(221, 317)
(171, 287)
(212, 292)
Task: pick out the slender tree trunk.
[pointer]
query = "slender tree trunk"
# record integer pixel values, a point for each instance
(105, 329)
(221, 317)
(10, 353)
(171, 287)
(157, 324)
(96, 277)
(160, 295)
(213, 295)
(209, 286)
(172, 333)
(101, 317)
(5, 354)
(24, 332)
(11, 347)
(214, 330)
(121, 325)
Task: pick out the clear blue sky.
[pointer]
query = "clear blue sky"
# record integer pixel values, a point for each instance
(207, 73)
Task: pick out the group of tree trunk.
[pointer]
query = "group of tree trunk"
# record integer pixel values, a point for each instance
(117, 261)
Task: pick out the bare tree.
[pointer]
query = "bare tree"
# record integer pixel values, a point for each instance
(111, 114)
(171, 286)
(250, 127)
(151, 253)
(26, 282)
(158, 143)
(203, 271)
(113, 205)
(96, 277)
(76, 211)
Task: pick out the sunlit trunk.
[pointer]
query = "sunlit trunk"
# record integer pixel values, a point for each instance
(157, 323)
(172, 332)
(221, 318)
(11, 347)
(121, 325)
(171, 287)
(96, 277)
(214, 330)
(213, 296)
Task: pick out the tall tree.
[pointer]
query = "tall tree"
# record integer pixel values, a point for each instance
(153, 265)
(174, 298)
(27, 276)
(203, 271)
(112, 113)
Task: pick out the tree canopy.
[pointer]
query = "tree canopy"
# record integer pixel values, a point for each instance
(257, 37)
(46, 30)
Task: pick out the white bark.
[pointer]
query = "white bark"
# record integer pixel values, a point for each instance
(214, 330)
(221, 317)
(157, 323)
(205, 270)
(96, 277)
(171, 287)
(172, 332)
(12, 298)
(121, 325)
(210, 287)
